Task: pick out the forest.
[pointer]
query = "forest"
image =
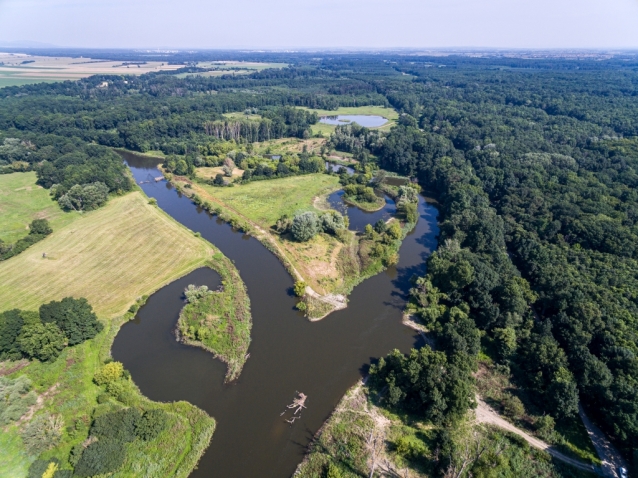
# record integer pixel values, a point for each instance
(533, 163)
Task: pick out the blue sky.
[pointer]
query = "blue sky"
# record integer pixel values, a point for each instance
(322, 23)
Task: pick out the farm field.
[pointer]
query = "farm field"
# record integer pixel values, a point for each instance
(220, 68)
(22, 201)
(111, 256)
(20, 69)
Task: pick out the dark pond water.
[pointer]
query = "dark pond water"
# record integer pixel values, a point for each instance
(337, 167)
(358, 217)
(288, 353)
(369, 121)
(392, 181)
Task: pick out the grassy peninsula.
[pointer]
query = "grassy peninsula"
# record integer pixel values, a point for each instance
(219, 321)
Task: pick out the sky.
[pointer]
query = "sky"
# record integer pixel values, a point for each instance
(289, 24)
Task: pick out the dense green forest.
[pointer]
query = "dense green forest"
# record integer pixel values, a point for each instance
(534, 164)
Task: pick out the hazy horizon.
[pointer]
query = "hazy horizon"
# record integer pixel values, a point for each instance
(331, 24)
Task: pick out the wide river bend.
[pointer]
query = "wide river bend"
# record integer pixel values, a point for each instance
(287, 353)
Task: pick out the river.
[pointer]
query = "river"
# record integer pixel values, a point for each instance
(287, 353)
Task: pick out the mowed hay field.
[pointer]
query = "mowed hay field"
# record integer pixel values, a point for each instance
(266, 201)
(21, 201)
(111, 256)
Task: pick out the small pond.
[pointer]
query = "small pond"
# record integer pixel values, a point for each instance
(394, 181)
(359, 218)
(336, 167)
(369, 121)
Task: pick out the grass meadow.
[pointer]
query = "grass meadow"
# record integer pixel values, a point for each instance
(21, 201)
(111, 256)
(266, 201)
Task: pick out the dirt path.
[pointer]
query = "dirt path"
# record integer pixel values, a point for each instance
(607, 453)
(485, 414)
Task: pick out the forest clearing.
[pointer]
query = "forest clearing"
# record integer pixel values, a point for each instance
(22, 201)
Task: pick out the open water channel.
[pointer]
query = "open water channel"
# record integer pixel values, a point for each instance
(287, 353)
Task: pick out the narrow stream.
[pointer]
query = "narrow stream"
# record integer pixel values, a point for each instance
(287, 353)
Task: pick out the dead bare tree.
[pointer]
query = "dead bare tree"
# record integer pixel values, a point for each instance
(296, 405)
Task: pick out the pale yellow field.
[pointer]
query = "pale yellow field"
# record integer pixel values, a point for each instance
(13, 70)
(111, 256)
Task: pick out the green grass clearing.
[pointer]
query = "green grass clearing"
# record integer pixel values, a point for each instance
(264, 202)
(22, 201)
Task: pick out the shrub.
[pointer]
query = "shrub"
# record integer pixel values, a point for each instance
(42, 433)
(76, 454)
(151, 424)
(304, 226)
(119, 426)
(410, 447)
(283, 225)
(194, 294)
(332, 221)
(41, 341)
(85, 197)
(74, 317)
(109, 373)
(16, 397)
(39, 468)
(394, 231)
(100, 457)
(40, 226)
(513, 406)
(545, 427)
(300, 288)
(408, 211)
(333, 471)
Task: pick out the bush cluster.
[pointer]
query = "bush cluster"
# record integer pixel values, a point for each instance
(43, 335)
(110, 433)
(305, 225)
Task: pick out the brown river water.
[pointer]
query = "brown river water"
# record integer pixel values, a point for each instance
(288, 354)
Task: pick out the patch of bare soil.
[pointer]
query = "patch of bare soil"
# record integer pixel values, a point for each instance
(38, 404)
(7, 368)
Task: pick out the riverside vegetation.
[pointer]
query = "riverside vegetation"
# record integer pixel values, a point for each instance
(66, 407)
(314, 244)
(532, 162)
(219, 321)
